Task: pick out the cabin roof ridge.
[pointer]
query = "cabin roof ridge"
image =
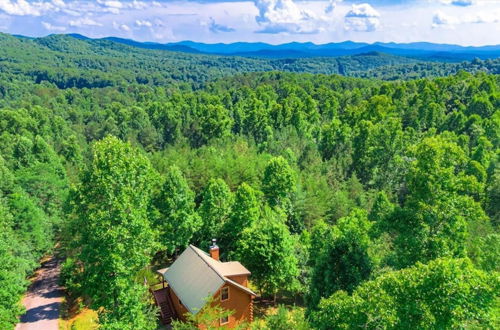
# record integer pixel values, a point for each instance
(197, 250)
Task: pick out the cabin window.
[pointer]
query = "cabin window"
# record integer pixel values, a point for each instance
(224, 294)
(224, 320)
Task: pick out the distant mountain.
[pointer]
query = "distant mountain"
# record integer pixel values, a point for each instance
(152, 45)
(69, 61)
(420, 50)
(423, 51)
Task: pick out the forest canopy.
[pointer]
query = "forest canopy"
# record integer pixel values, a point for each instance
(369, 192)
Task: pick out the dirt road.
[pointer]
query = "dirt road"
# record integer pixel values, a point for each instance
(43, 299)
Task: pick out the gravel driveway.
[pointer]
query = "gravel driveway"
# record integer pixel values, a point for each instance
(43, 299)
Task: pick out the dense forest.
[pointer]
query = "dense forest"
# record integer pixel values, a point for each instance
(67, 62)
(369, 202)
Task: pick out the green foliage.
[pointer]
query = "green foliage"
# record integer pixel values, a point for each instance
(266, 248)
(279, 187)
(381, 209)
(245, 212)
(12, 272)
(489, 256)
(207, 318)
(436, 182)
(420, 156)
(113, 235)
(446, 293)
(133, 310)
(342, 261)
(175, 217)
(285, 319)
(103, 63)
(25, 236)
(278, 182)
(214, 210)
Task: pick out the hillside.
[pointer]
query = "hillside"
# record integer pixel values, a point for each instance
(75, 61)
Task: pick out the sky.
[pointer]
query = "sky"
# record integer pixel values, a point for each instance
(463, 22)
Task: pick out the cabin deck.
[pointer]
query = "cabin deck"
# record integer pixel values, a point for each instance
(163, 301)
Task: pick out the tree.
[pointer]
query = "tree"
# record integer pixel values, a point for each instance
(436, 181)
(378, 147)
(285, 319)
(267, 249)
(245, 212)
(114, 237)
(320, 234)
(278, 183)
(280, 187)
(214, 209)
(24, 237)
(207, 318)
(382, 208)
(343, 261)
(13, 271)
(336, 142)
(446, 293)
(489, 258)
(215, 122)
(175, 218)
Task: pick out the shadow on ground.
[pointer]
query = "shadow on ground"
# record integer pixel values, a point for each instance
(44, 312)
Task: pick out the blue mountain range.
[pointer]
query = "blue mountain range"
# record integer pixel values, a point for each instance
(419, 50)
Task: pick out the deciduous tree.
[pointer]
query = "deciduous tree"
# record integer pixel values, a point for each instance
(214, 210)
(343, 261)
(267, 250)
(114, 236)
(444, 294)
(175, 217)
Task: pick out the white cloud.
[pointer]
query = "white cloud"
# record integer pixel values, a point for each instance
(121, 26)
(141, 23)
(51, 27)
(59, 3)
(272, 21)
(72, 12)
(362, 10)
(85, 21)
(124, 27)
(277, 16)
(111, 6)
(331, 6)
(138, 5)
(216, 28)
(362, 18)
(440, 19)
(111, 3)
(21, 7)
(489, 17)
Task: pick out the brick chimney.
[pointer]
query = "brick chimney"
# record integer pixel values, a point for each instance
(214, 250)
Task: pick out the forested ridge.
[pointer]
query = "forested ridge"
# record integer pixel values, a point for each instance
(68, 62)
(371, 203)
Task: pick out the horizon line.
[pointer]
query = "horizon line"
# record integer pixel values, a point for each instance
(253, 42)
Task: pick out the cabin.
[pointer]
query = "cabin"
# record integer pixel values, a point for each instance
(196, 275)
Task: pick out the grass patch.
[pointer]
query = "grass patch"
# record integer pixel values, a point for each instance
(74, 316)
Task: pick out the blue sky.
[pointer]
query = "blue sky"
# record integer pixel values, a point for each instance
(465, 22)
